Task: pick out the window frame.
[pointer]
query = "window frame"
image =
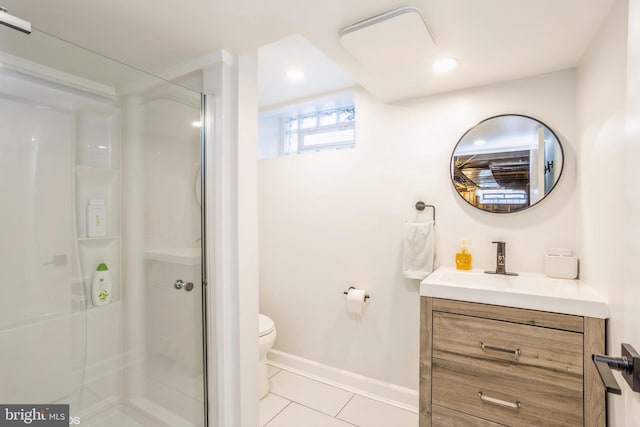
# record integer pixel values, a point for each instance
(301, 133)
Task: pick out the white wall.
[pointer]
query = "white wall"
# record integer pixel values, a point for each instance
(332, 219)
(632, 207)
(269, 138)
(600, 118)
(608, 122)
(247, 140)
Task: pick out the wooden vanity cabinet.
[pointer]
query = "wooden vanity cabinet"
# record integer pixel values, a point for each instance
(488, 366)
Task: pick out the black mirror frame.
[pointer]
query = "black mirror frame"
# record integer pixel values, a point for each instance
(555, 184)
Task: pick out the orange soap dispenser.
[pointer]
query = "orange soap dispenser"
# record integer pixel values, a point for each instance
(463, 258)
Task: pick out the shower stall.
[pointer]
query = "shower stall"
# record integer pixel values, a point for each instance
(100, 169)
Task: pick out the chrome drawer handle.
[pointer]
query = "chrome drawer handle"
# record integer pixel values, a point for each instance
(512, 405)
(515, 352)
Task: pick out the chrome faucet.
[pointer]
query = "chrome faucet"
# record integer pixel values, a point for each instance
(501, 256)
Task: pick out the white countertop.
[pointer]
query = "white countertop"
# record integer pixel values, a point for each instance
(527, 290)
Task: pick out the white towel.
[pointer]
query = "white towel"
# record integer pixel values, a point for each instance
(419, 243)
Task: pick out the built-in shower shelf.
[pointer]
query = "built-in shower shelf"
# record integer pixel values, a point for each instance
(94, 239)
(185, 256)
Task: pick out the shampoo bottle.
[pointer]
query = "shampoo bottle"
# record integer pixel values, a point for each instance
(96, 218)
(101, 286)
(463, 258)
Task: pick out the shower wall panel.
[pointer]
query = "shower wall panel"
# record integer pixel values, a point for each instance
(36, 250)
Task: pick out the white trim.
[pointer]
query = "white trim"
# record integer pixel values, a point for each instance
(222, 254)
(52, 75)
(173, 74)
(198, 64)
(391, 394)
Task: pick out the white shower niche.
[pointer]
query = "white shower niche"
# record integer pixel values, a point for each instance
(98, 177)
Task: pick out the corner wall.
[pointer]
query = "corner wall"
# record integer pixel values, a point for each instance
(609, 132)
(231, 236)
(601, 110)
(333, 219)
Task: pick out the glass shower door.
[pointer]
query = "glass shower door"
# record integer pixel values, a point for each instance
(165, 344)
(100, 241)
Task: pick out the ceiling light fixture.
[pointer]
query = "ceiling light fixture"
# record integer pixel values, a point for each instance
(444, 65)
(479, 142)
(295, 75)
(14, 22)
(196, 124)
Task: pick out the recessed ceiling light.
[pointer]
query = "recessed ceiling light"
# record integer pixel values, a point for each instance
(479, 142)
(196, 124)
(295, 75)
(444, 65)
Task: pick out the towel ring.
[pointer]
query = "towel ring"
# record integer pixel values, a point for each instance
(420, 206)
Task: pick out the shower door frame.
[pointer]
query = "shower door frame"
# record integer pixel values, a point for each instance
(205, 124)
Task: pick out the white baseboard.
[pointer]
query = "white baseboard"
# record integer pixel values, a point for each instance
(392, 394)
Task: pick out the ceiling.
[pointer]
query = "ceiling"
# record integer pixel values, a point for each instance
(493, 40)
(321, 74)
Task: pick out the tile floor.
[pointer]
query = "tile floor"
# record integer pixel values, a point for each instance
(293, 401)
(296, 401)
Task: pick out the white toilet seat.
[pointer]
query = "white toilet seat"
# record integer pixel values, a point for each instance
(266, 337)
(265, 325)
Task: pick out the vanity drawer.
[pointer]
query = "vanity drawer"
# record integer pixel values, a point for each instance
(487, 391)
(458, 337)
(443, 417)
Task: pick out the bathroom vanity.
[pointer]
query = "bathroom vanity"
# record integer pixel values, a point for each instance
(509, 351)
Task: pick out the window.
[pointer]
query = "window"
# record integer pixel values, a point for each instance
(315, 124)
(332, 129)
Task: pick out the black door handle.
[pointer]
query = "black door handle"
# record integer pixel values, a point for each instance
(628, 364)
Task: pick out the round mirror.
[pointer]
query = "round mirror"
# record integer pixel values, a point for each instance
(506, 163)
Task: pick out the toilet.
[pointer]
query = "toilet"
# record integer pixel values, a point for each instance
(266, 338)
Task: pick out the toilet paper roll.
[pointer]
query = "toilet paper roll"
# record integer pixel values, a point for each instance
(355, 301)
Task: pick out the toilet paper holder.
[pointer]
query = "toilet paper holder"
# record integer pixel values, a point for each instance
(366, 295)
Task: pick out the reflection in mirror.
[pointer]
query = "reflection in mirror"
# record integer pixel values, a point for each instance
(506, 163)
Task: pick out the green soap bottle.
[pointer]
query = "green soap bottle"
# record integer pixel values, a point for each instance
(101, 286)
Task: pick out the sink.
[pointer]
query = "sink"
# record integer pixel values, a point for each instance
(527, 290)
(523, 282)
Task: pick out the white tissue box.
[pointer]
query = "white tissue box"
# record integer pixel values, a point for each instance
(561, 266)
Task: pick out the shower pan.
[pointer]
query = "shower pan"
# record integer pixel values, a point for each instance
(97, 166)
